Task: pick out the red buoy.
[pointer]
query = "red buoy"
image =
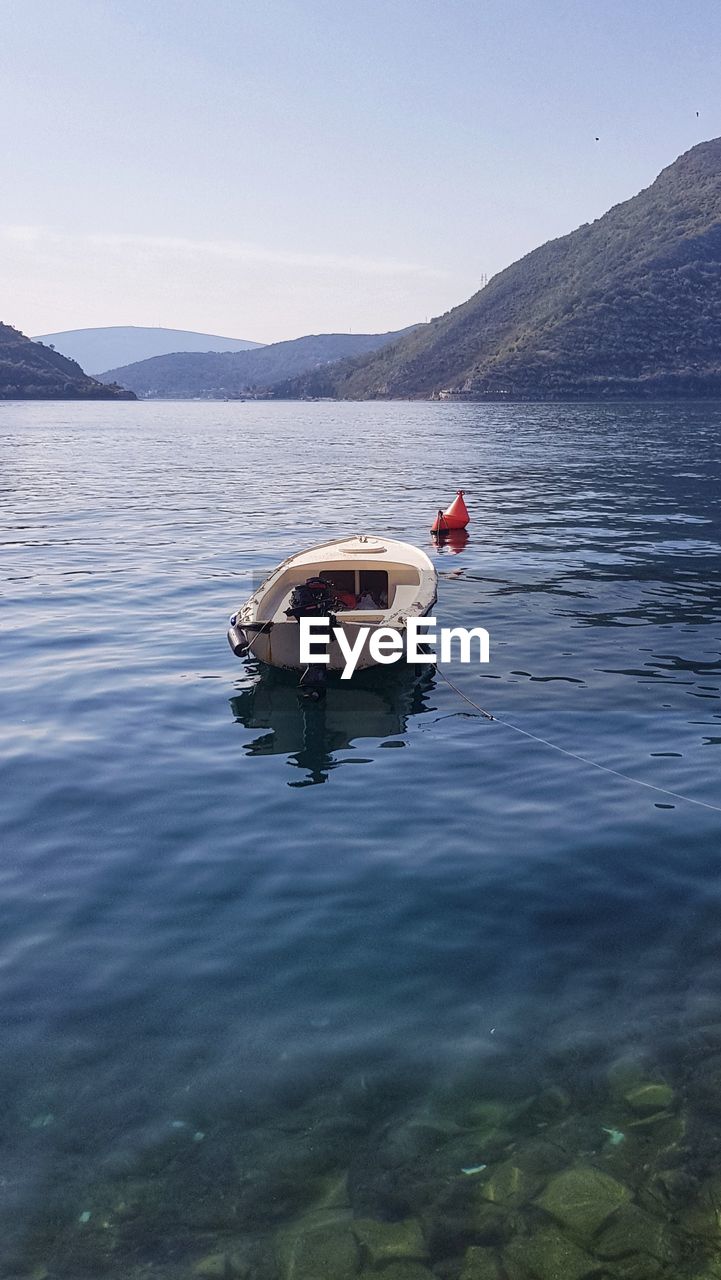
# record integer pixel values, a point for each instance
(454, 517)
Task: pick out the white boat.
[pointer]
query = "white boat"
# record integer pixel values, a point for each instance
(379, 582)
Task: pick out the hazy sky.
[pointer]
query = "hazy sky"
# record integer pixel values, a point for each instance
(281, 167)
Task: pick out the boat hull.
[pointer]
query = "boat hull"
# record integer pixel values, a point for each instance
(280, 645)
(389, 581)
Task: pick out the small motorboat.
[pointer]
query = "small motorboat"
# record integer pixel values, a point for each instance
(372, 582)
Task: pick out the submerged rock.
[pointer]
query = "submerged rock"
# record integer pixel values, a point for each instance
(220, 1266)
(542, 1156)
(630, 1231)
(637, 1266)
(489, 1222)
(553, 1101)
(321, 1253)
(333, 1192)
(460, 1218)
(650, 1097)
(399, 1271)
(647, 1123)
(660, 1130)
(320, 1245)
(211, 1267)
(489, 1115)
(548, 1255)
(581, 1200)
(624, 1074)
(702, 1217)
(480, 1264)
(383, 1242)
(510, 1184)
(414, 1140)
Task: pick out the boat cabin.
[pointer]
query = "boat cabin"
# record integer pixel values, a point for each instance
(375, 591)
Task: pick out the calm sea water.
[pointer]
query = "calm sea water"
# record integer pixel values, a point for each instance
(228, 920)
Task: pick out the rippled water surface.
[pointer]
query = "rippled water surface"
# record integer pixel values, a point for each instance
(257, 966)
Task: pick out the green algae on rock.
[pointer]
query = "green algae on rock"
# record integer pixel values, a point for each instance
(623, 1074)
(399, 1271)
(635, 1213)
(320, 1246)
(511, 1185)
(213, 1267)
(489, 1115)
(658, 1131)
(581, 1200)
(328, 1253)
(489, 1222)
(548, 1255)
(702, 1217)
(460, 1218)
(712, 1271)
(637, 1266)
(480, 1264)
(384, 1242)
(650, 1097)
(654, 1118)
(629, 1231)
(332, 1192)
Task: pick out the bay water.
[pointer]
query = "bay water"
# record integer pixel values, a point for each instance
(250, 947)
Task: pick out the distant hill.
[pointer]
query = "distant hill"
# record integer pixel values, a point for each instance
(30, 371)
(627, 306)
(98, 349)
(218, 374)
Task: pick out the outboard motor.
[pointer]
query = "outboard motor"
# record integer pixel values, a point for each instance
(314, 598)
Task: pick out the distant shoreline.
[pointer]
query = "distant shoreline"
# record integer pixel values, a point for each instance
(495, 400)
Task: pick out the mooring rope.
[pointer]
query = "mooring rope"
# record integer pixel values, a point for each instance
(573, 755)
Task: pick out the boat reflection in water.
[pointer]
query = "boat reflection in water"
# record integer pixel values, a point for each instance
(377, 704)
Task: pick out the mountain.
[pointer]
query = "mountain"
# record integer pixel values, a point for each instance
(30, 371)
(98, 349)
(627, 306)
(216, 374)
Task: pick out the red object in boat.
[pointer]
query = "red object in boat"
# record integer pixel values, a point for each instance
(454, 517)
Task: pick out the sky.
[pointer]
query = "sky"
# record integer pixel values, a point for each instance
(267, 170)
